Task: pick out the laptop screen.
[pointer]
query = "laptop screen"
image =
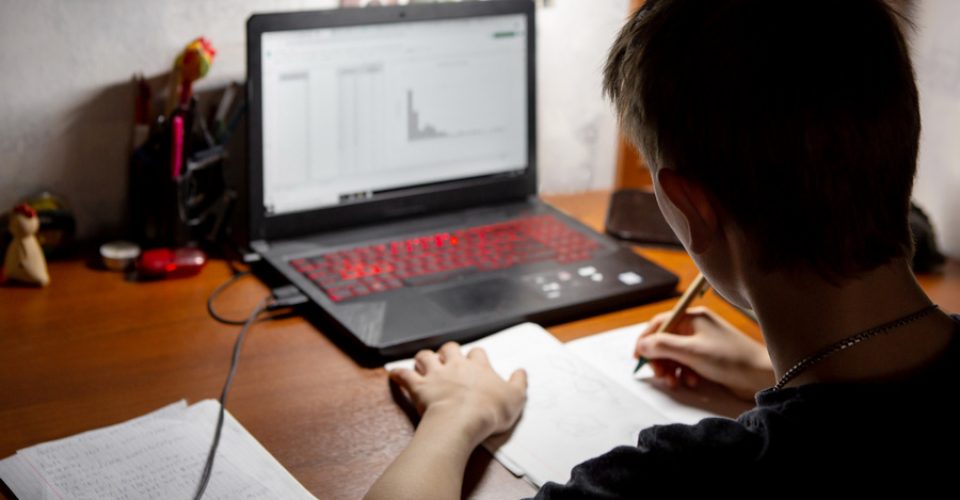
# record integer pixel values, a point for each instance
(352, 113)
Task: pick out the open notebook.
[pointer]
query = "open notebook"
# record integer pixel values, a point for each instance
(583, 399)
(157, 455)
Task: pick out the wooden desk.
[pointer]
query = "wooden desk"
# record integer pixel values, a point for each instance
(93, 350)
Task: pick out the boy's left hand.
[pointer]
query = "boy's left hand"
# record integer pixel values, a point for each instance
(464, 389)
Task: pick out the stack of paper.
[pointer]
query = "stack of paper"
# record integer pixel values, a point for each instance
(583, 399)
(158, 455)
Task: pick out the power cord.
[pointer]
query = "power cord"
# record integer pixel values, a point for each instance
(208, 467)
(280, 298)
(216, 293)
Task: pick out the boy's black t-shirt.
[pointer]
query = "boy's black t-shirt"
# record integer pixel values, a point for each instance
(866, 438)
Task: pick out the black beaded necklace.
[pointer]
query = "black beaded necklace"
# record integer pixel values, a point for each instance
(849, 342)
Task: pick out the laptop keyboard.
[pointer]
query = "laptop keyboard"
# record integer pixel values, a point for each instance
(434, 258)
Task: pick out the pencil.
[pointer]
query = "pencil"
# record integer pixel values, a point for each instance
(696, 289)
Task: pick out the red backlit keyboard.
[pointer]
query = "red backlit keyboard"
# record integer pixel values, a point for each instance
(360, 271)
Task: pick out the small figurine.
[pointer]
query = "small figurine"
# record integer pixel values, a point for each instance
(24, 261)
(191, 65)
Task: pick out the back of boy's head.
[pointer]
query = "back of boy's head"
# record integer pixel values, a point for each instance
(802, 122)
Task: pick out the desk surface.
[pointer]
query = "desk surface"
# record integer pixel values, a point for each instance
(93, 350)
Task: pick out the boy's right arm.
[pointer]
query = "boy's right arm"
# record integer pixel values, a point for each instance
(705, 345)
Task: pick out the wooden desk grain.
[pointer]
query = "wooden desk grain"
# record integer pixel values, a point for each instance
(93, 350)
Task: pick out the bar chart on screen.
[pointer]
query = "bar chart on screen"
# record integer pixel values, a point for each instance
(457, 110)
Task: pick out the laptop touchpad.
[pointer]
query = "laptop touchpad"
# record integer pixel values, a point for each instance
(490, 296)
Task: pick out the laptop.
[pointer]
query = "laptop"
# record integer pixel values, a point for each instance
(393, 177)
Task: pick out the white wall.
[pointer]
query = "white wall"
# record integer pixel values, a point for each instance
(66, 102)
(936, 51)
(65, 94)
(577, 127)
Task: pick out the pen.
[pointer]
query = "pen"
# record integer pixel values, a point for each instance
(696, 289)
(226, 100)
(232, 122)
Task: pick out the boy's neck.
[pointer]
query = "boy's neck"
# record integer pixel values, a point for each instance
(800, 315)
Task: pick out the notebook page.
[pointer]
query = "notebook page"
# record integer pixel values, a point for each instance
(159, 455)
(245, 451)
(573, 412)
(612, 353)
(26, 481)
(156, 458)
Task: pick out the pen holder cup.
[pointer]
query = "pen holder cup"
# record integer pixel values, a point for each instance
(170, 210)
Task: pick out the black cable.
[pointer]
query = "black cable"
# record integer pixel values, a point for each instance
(208, 467)
(216, 292)
(233, 256)
(232, 264)
(285, 297)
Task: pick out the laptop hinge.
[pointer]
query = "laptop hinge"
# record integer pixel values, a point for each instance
(258, 247)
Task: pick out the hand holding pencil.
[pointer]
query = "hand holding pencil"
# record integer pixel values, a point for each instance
(696, 289)
(685, 346)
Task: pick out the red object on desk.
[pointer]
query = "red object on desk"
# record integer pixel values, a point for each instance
(171, 263)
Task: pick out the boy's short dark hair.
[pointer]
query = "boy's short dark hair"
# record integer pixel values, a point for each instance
(802, 122)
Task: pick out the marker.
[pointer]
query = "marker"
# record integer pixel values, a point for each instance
(696, 289)
(176, 147)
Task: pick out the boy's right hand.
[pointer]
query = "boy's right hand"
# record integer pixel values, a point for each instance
(705, 345)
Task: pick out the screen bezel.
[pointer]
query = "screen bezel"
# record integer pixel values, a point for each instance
(432, 198)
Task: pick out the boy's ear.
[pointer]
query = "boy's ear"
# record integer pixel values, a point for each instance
(691, 203)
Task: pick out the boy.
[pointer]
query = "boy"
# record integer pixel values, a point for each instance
(782, 141)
